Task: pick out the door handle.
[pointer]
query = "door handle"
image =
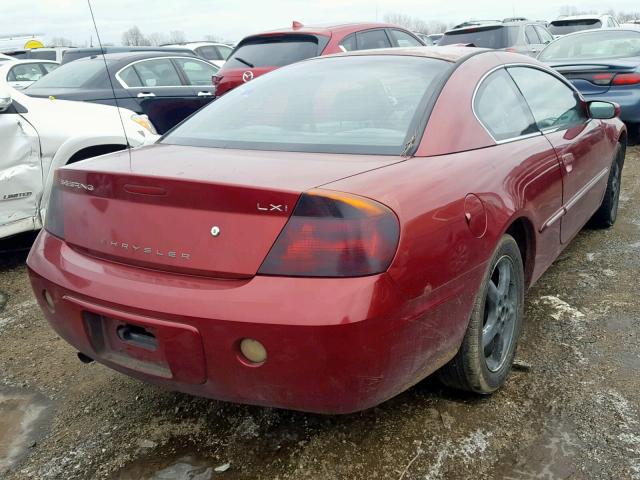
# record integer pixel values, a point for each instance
(205, 94)
(146, 95)
(567, 161)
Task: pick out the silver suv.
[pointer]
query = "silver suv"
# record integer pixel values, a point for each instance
(511, 34)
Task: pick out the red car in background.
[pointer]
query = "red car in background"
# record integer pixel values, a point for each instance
(334, 232)
(258, 54)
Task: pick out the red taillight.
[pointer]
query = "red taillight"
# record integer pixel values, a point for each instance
(216, 79)
(626, 79)
(54, 220)
(602, 78)
(333, 234)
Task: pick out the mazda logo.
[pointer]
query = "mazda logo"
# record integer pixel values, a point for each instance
(246, 76)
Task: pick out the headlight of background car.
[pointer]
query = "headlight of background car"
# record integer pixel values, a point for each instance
(144, 122)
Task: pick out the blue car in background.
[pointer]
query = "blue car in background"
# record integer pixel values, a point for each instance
(603, 65)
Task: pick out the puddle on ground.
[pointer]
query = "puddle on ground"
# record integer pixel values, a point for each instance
(24, 419)
(186, 467)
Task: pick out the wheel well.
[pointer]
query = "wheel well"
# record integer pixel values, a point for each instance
(522, 232)
(623, 141)
(94, 151)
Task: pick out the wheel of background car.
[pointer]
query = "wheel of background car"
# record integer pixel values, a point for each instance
(606, 215)
(485, 357)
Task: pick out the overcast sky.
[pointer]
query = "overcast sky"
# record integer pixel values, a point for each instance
(234, 19)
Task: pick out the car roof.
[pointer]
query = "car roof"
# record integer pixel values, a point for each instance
(202, 43)
(586, 16)
(447, 53)
(133, 56)
(329, 28)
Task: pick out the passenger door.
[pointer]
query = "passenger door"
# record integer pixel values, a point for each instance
(20, 172)
(578, 140)
(160, 91)
(198, 75)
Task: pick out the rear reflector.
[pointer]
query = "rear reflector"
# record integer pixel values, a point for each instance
(332, 234)
(627, 79)
(602, 78)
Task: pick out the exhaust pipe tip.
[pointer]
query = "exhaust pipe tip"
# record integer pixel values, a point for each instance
(84, 358)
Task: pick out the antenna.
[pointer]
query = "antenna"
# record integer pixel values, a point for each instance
(113, 90)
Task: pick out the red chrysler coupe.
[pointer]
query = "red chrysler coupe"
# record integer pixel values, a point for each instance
(326, 236)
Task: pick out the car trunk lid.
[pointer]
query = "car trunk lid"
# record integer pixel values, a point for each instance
(593, 78)
(192, 210)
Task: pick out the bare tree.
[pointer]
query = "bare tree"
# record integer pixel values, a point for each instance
(407, 21)
(134, 38)
(61, 42)
(213, 38)
(569, 10)
(157, 38)
(177, 36)
(626, 17)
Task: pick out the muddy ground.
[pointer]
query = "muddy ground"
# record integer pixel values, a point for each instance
(571, 411)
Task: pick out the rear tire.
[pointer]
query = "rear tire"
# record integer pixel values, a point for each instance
(607, 213)
(485, 357)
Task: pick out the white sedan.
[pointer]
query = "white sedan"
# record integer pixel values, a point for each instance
(39, 135)
(20, 74)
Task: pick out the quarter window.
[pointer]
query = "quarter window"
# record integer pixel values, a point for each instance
(349, 43)
(501, 108)
(198, 73)
(403, 39)
(544, 35)
(130, 78)
(371, 39)
(209, 52)
(27, 72)
(552, 102)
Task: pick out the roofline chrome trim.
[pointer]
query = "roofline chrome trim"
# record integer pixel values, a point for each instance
(167, 57)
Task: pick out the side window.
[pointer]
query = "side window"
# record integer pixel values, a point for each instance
(553, 103)
(198, 73)
(349, 43)
(157, 73)
(224, 51)
(403, 39)
(27, 72)
(209, 52)
(544, 34)
(129, 77)
(532, 36)
(501, 108)
(370, 39)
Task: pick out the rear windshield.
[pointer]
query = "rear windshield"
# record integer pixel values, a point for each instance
(72, 75)
(43, 55)
(359, 104)
(594, 45)
(497, 36)
(563, 27)
(276, 51)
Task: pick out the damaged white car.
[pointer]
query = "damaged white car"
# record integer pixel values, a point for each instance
(39, 135)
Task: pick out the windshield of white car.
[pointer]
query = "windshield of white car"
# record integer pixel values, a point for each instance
(353, 104)
(602, 44)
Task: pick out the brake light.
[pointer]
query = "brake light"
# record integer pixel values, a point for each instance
(627, 79)
(332, 234)
(602, 78)
(54, 219)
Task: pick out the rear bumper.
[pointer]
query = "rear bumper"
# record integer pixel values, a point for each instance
(334, 345)
(627, 97)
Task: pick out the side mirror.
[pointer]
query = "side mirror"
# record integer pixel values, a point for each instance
(5, 99)
(603, 110)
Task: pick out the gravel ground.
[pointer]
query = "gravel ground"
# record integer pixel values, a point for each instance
(570, 411)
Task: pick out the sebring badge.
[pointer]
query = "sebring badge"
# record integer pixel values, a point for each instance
(78, 185)
(246, 76)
